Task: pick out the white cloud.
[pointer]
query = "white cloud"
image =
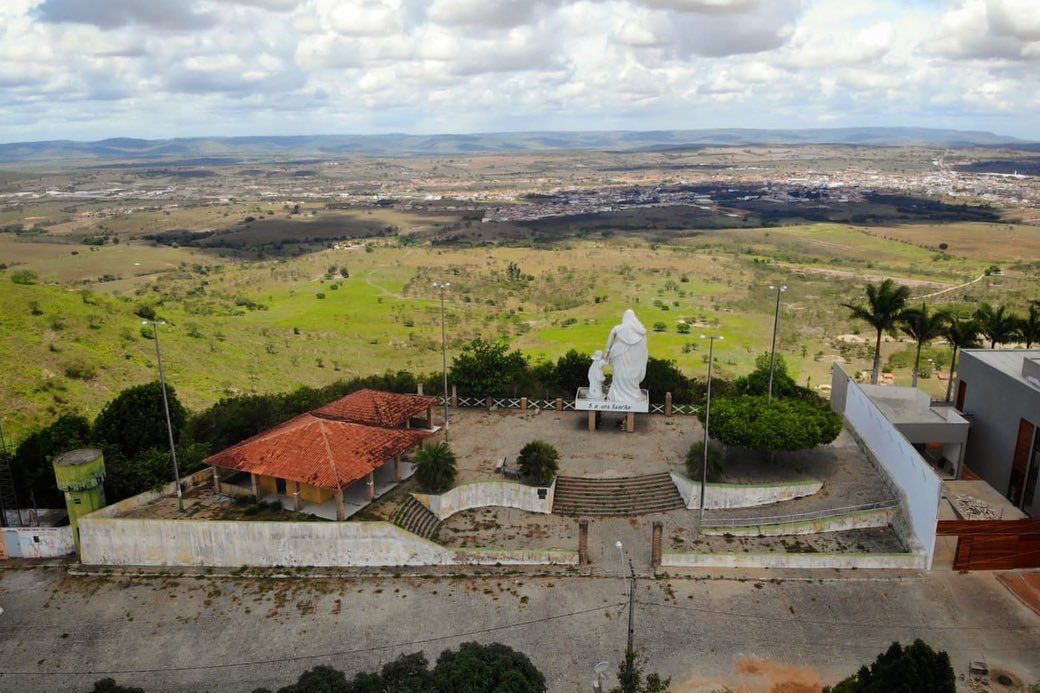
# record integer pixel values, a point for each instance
(78, 68)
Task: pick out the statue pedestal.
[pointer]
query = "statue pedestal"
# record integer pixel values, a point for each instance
(582, 402)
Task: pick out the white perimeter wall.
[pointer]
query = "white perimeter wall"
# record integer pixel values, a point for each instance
(219, 543)
(720, 496)
(504, 494)
(919, 487)
(38, 542)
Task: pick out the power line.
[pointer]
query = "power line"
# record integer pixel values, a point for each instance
(341, 653)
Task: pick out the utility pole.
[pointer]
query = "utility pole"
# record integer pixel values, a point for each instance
(707, 420)
(444, 356)
(631, 607)
(166, 410)
(772, 352)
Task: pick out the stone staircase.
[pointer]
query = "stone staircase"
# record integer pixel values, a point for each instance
(632, 495)
(413, 516)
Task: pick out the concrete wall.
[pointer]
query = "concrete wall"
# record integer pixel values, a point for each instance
(123, 541)
(839, 387)
(916, 484)
(38, 542)
(505, 494)
(862, 561)
(996, 403)
(862, 519)
(719, 496)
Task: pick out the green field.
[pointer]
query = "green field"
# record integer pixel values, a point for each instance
(70, 342)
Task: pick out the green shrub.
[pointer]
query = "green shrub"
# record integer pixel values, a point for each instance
(538, 462)
(435, 468)
(695, 460)
(25, 277)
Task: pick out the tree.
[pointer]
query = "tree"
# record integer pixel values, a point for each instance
(108, 685)
(885, 302)
(997, 324)
(150, 469)
(780, 425)
(487, 369)
(538, 462)
(922, 325)
(660, 326)
(916, 668)
(435, 468)
(134, 421)
(320, 679)
(477, 668)
(25, 277)
(695, 461)
(572, 372)
(630, 677)
(663, 375)
(31, 462)
(1029, 326)
(961, 333)
(757, 381)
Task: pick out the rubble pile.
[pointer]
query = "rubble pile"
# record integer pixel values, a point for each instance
(972, 508)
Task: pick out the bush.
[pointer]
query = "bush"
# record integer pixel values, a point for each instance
(695, 460)
(538, 462)
(110, 686)
(435, 468)
(570, 373)
(134, 421)
(488, 368)
(31, 462)
(660, 326)
(80, 370)
(25, 277)
(916, 668)
(792, 424)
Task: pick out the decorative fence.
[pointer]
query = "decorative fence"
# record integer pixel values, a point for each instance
(524, 403)
(824, 514)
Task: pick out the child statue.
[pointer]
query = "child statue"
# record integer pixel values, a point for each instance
(596, 377)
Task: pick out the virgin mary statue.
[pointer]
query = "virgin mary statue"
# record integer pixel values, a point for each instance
(627, 353)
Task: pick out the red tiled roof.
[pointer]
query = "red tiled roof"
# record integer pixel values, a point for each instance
(317, 451)
(376, 408)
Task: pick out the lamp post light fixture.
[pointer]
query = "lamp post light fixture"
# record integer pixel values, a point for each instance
(707, 419)
(772, 352)
(444, 354)
(166, 410)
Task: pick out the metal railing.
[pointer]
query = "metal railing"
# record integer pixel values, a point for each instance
(798, 517)
(550, 404)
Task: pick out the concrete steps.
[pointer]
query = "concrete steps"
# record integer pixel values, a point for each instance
(413, 516)
(633, 495)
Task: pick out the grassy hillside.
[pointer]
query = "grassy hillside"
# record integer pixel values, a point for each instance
(70, 342)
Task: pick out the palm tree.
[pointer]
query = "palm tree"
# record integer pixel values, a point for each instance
(1029, 326)
(961, 333)
(922, 325)
(996, 324)
(435, 467)
(885, 302)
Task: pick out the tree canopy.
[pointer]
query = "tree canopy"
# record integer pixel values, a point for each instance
(757, 381)
(780, 425)
(134, 421)
(885, 303)
(538, 462)
(435, 467)
(486, 368)
(913, 669)
(31, 461)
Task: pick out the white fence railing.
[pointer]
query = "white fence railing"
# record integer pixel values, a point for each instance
(799, 517)
(472, 402)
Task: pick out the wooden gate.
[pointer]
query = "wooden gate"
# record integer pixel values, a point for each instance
(994, 544)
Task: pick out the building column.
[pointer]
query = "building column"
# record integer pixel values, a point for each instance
(216, 480)
(341, 510)
(655, 544)
(630, 422)
(583, 542)
(418, 390)
(254, 480)
(371, 484)
(429, 417)
(397, 469)
(668, 404)
(454, 397)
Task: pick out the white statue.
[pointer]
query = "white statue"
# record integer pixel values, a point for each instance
(596, 377)
(627, 352)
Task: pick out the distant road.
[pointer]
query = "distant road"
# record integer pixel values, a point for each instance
(953, 288)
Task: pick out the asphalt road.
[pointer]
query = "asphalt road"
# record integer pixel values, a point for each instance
(61, 633)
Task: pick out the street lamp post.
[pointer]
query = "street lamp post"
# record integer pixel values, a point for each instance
(707, 420)
(166, 410)
(772, 352)
(444, 356)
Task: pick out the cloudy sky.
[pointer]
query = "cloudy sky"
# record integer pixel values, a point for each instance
(87, 69)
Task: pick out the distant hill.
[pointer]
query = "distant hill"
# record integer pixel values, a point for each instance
(249, 148)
